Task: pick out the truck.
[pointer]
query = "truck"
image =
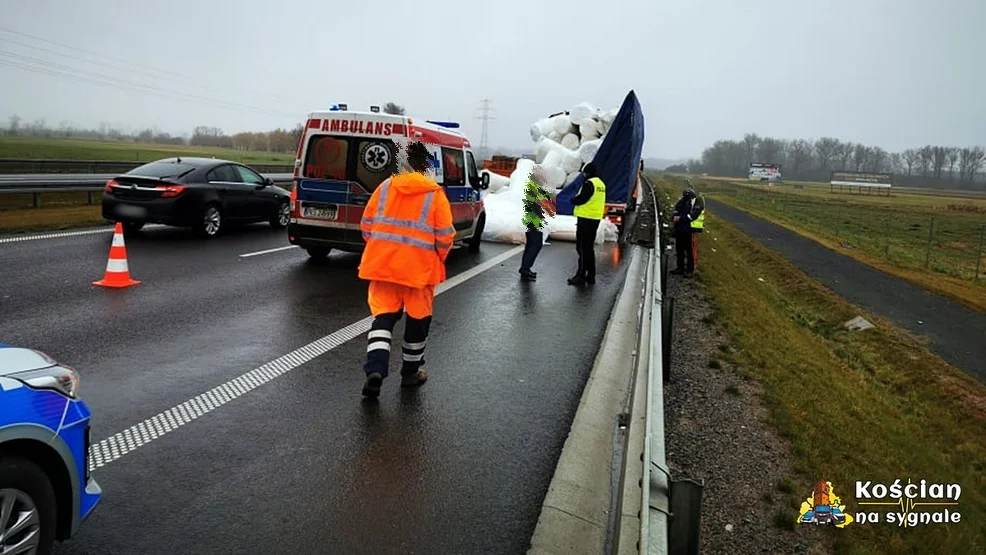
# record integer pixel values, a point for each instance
(343, 156)
(618, 163)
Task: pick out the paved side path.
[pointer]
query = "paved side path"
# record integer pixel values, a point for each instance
(956, 333)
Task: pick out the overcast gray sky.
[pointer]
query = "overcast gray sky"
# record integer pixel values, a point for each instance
(893, 73)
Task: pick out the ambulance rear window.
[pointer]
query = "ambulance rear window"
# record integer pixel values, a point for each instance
(377, 161)
(326, 157)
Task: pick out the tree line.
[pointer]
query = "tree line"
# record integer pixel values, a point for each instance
(940, 167)
(277, 140)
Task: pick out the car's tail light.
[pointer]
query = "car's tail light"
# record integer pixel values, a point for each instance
(170, 190)
(109, 186)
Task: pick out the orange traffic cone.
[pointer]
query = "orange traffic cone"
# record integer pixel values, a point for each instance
(117, 272)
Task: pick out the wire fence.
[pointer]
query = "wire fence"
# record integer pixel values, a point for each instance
(947, 236)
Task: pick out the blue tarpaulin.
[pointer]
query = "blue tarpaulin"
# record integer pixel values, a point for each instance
(617, 160)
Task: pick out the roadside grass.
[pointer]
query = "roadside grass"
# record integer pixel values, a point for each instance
(86, 149)
(897, 234)
(869, 406)
(58, 211)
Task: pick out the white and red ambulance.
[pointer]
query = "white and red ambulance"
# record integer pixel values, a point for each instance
(344, 155)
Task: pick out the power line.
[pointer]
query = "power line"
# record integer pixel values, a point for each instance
(130, 65)
(58, 70)
(185, 80)
(486, 115)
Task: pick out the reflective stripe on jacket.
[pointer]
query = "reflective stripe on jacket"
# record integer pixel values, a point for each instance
(407, 226)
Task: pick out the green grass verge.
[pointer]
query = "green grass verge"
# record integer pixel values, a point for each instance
(872, 405)
(84, 149)
(889, 233)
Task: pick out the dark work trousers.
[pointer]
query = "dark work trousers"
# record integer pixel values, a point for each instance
(379, 339)
(534, 242)
(683, 248)
(585, 245)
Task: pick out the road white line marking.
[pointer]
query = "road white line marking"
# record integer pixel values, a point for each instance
(249, 254)
(18, 239)
(118, 445)
(61, 234)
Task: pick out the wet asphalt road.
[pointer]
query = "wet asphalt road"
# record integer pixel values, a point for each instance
(955, 332)
(301, 464)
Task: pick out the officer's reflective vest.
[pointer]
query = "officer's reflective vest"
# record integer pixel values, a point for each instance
(700, 222)
(596, 207)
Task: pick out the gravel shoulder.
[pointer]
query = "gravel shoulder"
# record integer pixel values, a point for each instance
(716, 430)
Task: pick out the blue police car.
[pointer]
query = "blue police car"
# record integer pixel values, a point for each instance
(45, 487)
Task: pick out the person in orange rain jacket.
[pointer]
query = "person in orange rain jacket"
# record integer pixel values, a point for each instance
(407, 226)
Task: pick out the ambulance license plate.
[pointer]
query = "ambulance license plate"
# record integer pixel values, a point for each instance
(326, 213)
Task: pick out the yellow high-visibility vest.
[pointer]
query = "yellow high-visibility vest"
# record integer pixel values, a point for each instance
(596, 207)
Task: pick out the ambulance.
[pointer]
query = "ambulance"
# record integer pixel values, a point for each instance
(344, 155)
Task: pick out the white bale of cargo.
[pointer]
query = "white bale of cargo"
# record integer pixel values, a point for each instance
(570, 141)
(505, 213)
(497, 181)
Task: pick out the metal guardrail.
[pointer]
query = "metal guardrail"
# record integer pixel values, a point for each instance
(669, 509)
(10, 166)
(37, 184)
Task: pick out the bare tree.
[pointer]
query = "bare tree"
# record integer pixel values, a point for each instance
(15, 124)
(800, 155)
(911, 157)
(859, 156)
(925, 157)
(952, 158)
(391, 108)
(896, 163)
(845, 154)
(938, 156)
(752, 141)
(970, 163)
(827, 150)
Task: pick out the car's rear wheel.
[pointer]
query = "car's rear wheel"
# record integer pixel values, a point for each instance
(282, 217)
(27, 508)
(210, 224)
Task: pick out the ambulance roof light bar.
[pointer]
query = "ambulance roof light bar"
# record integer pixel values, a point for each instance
(339, 108)
(446, 124)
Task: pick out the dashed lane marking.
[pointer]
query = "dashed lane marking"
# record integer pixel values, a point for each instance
(268, 251)
(61, 234)
(18, 239)
(122, 443)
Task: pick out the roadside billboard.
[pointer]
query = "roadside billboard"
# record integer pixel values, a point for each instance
(764, 172)
(862, 179)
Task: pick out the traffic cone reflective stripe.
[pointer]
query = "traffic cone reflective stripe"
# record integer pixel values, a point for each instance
(117, 270)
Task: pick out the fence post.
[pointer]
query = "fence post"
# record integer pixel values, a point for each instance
(931, 236)
(886, 236)
(979, 255)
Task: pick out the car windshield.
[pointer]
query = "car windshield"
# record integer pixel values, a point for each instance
(162, 169)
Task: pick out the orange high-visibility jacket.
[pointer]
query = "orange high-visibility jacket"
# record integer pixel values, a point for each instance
(407, 226)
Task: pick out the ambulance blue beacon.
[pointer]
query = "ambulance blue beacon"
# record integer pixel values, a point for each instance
(44, 452)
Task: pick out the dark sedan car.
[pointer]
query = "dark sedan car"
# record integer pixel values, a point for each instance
(205, 194)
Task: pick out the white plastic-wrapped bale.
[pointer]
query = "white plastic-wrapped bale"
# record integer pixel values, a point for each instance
(590, 129)
(608, 117)
(543, 147)
(579, 114)
(570, 141)
(561, 124)
(589, 149)
(572, 162)
(497, 182)
(554, 136)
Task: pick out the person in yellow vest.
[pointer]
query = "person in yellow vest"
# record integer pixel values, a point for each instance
(698, 225)
(590, 207)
